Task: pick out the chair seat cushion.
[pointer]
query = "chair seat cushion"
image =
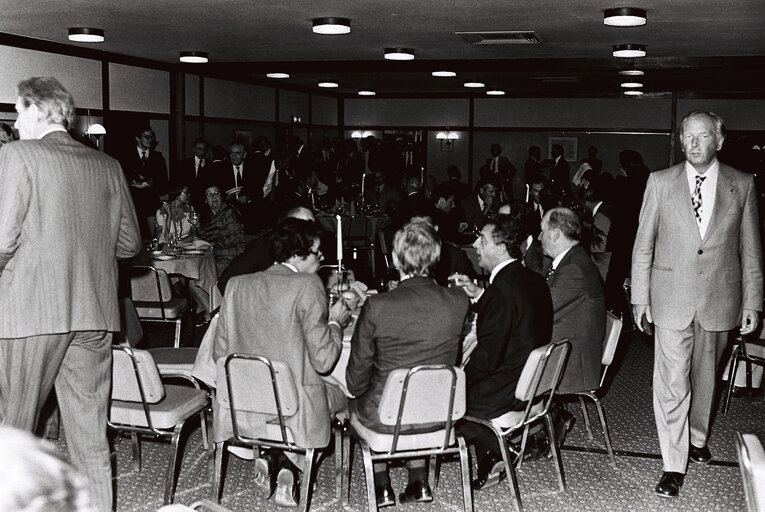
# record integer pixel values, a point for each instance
(179, 403)
(174, 360)
(512, 418)
(174, 308)
(382, 442)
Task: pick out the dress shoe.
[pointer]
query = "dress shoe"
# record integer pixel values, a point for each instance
(563, 426)
(418, 491)
(385, 495)
(537, 447)
(491, 471)
(265, 472)
(740, 391)
(669, 485)
(699, 455)
(286, 488)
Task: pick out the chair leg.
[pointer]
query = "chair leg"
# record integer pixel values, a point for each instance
(306, 484)
(219, 448)
(178, 324)
(556, 452)
(370, 477)
(586, 417)
(173, 464)
(467, 491)
(512, 478)
(524, 438)
(348, 449)
(604, 427)
(136, 441)
(731, 379)
(433, 471)
(339, 469)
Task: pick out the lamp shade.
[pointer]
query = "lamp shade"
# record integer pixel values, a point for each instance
(331, 26)
(95, 129)
(624, 17)
(629, 50)
(356, 134)
(632, 72)
(366, 92)
(474, 84)
(444, 74)
(328, 85)
(86, 35)
(441, 136)
(194, 57)
(399, 53)
(277, 75)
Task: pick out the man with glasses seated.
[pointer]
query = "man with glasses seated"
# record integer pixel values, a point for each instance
(417, 323)
(281, 313)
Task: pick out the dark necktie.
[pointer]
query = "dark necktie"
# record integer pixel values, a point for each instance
(696, 199)
(550, 272)
(238, 177)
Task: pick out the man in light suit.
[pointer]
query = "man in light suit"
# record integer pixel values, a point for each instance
(696, 274)
(65, 216)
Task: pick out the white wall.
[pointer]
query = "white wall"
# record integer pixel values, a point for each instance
(139, 89)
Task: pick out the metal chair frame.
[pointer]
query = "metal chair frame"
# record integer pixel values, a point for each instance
(174, 434)
(433, 453)
(527, 418)
(739, 354)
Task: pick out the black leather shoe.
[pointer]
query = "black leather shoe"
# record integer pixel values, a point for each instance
(491, 471)
(385, 495)
(739, 392)
(536, 447)
(669, 485)
(699, 455)
(563, 426)
(418, 491)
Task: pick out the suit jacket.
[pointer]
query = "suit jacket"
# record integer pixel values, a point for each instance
(678, 273)
(186, 174)
(514, 317)
(417, 323)
(65, 216)
(534, 258)
(474, 216)
(255, 258)
(282, 315)
(153, 170)
(560, 175)
(453, 259)
(579, 314)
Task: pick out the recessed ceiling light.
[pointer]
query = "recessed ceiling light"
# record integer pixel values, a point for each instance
(495, 92)
(328, 84)
(86, 35)
(194, 57)
(444, 74)
(624, 17)
(331, 26)
(474, 84)
(632, 72)
(633, 92)
(366, 93)
(632, 85)
(277, 75)
(629, 50)
(399, 54)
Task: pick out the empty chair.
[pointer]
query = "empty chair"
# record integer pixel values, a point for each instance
(739, 355)
(540, 376)
(152, 295)
(751, 461)
(142, 404)
(423, 395)
(610, 342)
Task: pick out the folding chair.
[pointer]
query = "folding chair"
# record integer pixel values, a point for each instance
(739, 354)
(276, 398)
(540, 376)
(416, 397)
(751, 460)
(610, 342)
(152, 295)
(142, 405)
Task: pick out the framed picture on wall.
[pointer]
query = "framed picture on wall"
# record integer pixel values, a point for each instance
(245, 137)
(568, 144)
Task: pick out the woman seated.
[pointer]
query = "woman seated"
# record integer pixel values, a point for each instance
(417, 323)
(281, 313)
(176, 220)
(222, 227)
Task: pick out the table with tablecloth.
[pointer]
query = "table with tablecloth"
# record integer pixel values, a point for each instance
(198, 268)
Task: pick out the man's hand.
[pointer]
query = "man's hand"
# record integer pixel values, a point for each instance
(638, 312)
(749, 319)
(339, 312)
(471, 289)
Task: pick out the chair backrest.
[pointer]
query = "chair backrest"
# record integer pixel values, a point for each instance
(542, 373)
(751, 460)
(383, 245)
(610, 342)
(423, 395)
(135, 377)
(255, 384)
(149, 284)
(131, 331)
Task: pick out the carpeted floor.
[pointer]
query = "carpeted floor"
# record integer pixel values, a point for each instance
(593, 484)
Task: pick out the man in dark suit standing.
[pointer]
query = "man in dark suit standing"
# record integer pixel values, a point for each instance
(560, 173)
(191, 172)
(503, 170)
(483, 205)
(579, 310)
(696, 274)
(514, 317)
(66, 218)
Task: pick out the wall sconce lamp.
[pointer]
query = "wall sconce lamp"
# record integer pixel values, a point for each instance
(447, 139)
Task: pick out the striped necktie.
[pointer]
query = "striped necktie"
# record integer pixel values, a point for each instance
(696, 199)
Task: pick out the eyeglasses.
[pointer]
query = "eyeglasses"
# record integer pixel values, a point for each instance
(147, 135)
(317, 253)
(212, 194)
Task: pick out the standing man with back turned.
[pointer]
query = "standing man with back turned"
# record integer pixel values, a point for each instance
(65, 216)
(696, 274)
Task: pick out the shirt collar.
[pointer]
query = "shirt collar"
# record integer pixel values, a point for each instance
(499, 267)
(291, 267)
(480, 202)
(51, 129)
(597, 207)
(710, 174)
(556, 260)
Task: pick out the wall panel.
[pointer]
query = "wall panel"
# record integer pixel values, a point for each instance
(237, 100)
(139, 89)
(394, 112)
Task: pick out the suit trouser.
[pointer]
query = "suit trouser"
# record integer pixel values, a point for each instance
(684, 378)
(80, 365)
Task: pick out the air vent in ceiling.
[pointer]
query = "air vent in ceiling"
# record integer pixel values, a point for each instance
(500, 37)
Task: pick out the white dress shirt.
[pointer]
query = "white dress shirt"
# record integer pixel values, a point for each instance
(708, 191)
